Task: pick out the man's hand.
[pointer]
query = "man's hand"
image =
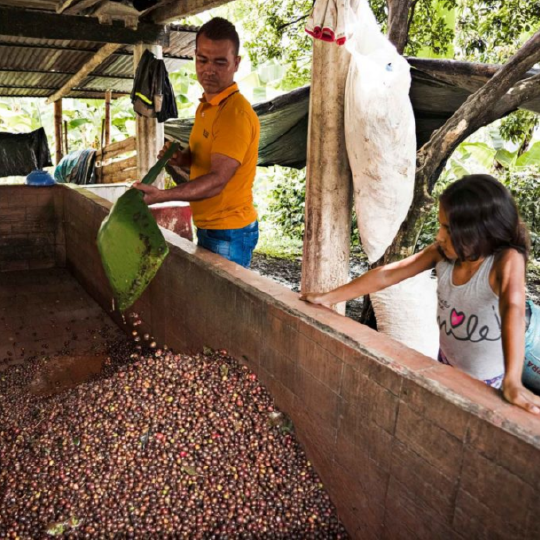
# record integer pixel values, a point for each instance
(179, 159)
(518, 395)
(152, 194)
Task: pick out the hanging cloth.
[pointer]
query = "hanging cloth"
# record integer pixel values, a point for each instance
(327, 21)
(153, 95)
(21, 153)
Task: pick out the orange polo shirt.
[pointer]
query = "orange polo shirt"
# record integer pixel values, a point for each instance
(225, 125)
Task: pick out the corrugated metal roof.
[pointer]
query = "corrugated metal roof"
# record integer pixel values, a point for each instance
(38, 67)
(47, 5)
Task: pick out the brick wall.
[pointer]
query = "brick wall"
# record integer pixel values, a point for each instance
(407, 447)
(31, 230)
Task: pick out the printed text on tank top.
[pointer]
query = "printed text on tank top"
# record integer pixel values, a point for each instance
(465, 326)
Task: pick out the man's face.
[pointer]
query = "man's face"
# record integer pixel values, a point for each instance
(216, 63)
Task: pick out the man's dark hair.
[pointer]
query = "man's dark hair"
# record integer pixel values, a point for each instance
(483, 218)
(217, 29)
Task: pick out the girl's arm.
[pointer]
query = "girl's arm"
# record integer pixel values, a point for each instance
(378, 278)
(510, 273)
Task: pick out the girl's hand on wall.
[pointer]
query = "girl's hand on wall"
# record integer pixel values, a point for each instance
(315, 298)
(518, 395)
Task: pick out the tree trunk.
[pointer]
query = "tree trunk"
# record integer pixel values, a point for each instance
(497, 98)
(398, 22)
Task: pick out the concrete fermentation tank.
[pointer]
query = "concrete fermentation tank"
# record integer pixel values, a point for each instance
(405, 446)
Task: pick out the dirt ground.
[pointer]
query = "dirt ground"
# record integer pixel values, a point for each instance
(288, 273)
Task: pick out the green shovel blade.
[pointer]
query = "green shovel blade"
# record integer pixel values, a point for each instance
(130, 242)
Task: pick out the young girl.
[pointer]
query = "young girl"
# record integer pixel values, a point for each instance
(479, 255)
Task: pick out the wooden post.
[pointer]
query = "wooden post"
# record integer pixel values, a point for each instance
(58, 130)
(99, 170)
(150, 133)
(325, 262)
(108, 95)
(66, 146)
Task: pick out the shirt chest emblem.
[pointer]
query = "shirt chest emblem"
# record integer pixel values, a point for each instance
(205, 134)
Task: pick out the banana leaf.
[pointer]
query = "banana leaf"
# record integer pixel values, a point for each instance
(131, 246)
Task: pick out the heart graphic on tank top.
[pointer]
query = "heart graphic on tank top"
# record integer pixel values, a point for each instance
(456, 317)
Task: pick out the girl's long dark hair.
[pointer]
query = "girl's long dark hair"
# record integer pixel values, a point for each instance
(483, 218)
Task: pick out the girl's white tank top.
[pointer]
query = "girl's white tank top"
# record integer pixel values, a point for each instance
(469, 322)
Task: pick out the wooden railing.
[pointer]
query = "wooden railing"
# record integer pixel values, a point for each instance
(111, 168)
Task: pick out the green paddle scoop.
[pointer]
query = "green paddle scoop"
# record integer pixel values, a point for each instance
(130, 243)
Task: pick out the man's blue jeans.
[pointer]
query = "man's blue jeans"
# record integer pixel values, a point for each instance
(237, 245)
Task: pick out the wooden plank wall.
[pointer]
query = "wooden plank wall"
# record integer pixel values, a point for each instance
(110, 169)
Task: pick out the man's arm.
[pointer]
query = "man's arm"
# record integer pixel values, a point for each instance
(222, 169)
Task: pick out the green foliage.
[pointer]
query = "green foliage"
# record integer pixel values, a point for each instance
(20, 115)
(525, 187)
(83, 117)
(273, 244)
(187, 90)
(278, 33)
(429, 29)
(518, 126)
(286, 211)
(523, 182)
(493, 30)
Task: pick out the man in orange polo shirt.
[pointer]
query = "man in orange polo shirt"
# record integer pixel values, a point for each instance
(222, 153)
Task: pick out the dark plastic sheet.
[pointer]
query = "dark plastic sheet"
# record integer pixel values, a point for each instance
(21, 153)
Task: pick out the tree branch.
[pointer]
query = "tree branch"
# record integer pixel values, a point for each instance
(410, 18)
(279, 28)
(522, 92)
(498, 97)
(398, 22)
(495, 99)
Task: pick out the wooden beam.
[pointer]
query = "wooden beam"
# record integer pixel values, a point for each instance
(66, 144)
(117, 148)
(95, 61)
(41, 25)
(63, 5)
(97, 93)
(327, 235)
(71, 7)
(58, 130)
(52, 72)
(32, 92)
(119, 166)
(172, 11)
(108, 95)
(127, 175)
